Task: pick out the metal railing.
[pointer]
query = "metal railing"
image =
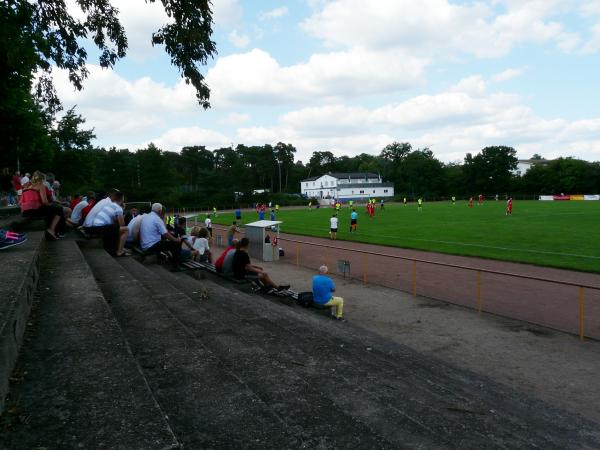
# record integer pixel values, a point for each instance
(325, 254)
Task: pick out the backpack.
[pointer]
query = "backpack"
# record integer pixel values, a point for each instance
(305, 299)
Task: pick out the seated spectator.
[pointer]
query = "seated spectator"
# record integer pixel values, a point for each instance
(25, 180)
(35, 203)
(154, 236)
(323, 289)
(233, 229)
(108, 224)
(130, 215)
(74, 201)
(76, 218)
(200, 244)
(133, 234)
(90, 214)
(242, 267)
(219, 263)
(180, 231)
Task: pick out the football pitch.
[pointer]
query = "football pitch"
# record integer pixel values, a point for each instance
(555, 234)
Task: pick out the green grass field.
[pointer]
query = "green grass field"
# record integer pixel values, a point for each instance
(556, 234)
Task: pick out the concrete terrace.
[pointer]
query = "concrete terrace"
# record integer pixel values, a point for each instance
(120, 354)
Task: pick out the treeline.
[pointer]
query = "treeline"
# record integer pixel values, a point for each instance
(197, 176)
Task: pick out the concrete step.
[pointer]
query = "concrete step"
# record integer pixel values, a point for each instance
(253, 349)
(19, 274)
(402, 397)
(208, 405)
(80, 386)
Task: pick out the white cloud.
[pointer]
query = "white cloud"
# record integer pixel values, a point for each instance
(257, 78)
(235, 118)
(227, 13)
(435, 27)
(239, 40)
(275, 13)
(508, 74)
(115, 106)
(176, 138)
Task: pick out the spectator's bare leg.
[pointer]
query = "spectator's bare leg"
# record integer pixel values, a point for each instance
(123, 232)
(266, 280)
(53, 224)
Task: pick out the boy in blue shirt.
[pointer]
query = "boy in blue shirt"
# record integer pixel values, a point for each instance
(323, 289)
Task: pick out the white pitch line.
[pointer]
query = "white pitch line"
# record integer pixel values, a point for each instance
(465, 244)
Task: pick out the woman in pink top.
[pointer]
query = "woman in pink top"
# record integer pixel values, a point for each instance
(35, 203)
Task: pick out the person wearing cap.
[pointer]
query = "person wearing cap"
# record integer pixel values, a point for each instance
(154, 236)
(323, 288)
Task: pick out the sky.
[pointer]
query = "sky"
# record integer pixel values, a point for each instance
(351, 76)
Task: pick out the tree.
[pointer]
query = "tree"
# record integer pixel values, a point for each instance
(52, 35)
(69, 136)
(396, 151)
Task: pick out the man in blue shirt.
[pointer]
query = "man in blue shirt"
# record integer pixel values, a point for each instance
(238, 214)
(323, 289)
(154, 236)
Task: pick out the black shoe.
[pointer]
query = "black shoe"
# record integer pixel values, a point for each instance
(283, 287)
(339, 319)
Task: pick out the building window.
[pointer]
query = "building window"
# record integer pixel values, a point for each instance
(353, 192)
(313, 184)
(362, 192)
(385, 191)
(373, 191)
(326, 183)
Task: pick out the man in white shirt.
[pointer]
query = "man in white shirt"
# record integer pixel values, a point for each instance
(133, 227)
(108, 223)
(154, 236)
(333, 226)
(89, 219)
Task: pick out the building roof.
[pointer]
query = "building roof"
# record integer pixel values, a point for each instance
(364, 185)
(346, 175)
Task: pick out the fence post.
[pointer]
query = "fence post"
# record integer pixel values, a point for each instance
(298, 255)
(479, 292)
(414, 279)
(365, 269)
(581, 314)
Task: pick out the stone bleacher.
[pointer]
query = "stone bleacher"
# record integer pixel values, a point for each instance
(122, 354)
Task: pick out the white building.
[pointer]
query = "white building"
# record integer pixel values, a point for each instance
(523, 165)
(347, 186)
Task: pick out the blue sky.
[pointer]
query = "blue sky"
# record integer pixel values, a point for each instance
(351, 76)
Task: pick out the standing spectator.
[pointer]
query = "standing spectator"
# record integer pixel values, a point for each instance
(323, 288)
(16, 182)
(154, 236)
(333, 227)
(25, 180)
(233, 229)
(272, 215)
(208, 224)
(35, 203)
(108, 223)
(238, 214)
(6, 187)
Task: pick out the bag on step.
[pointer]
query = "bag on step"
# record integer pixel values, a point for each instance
(305, 299)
